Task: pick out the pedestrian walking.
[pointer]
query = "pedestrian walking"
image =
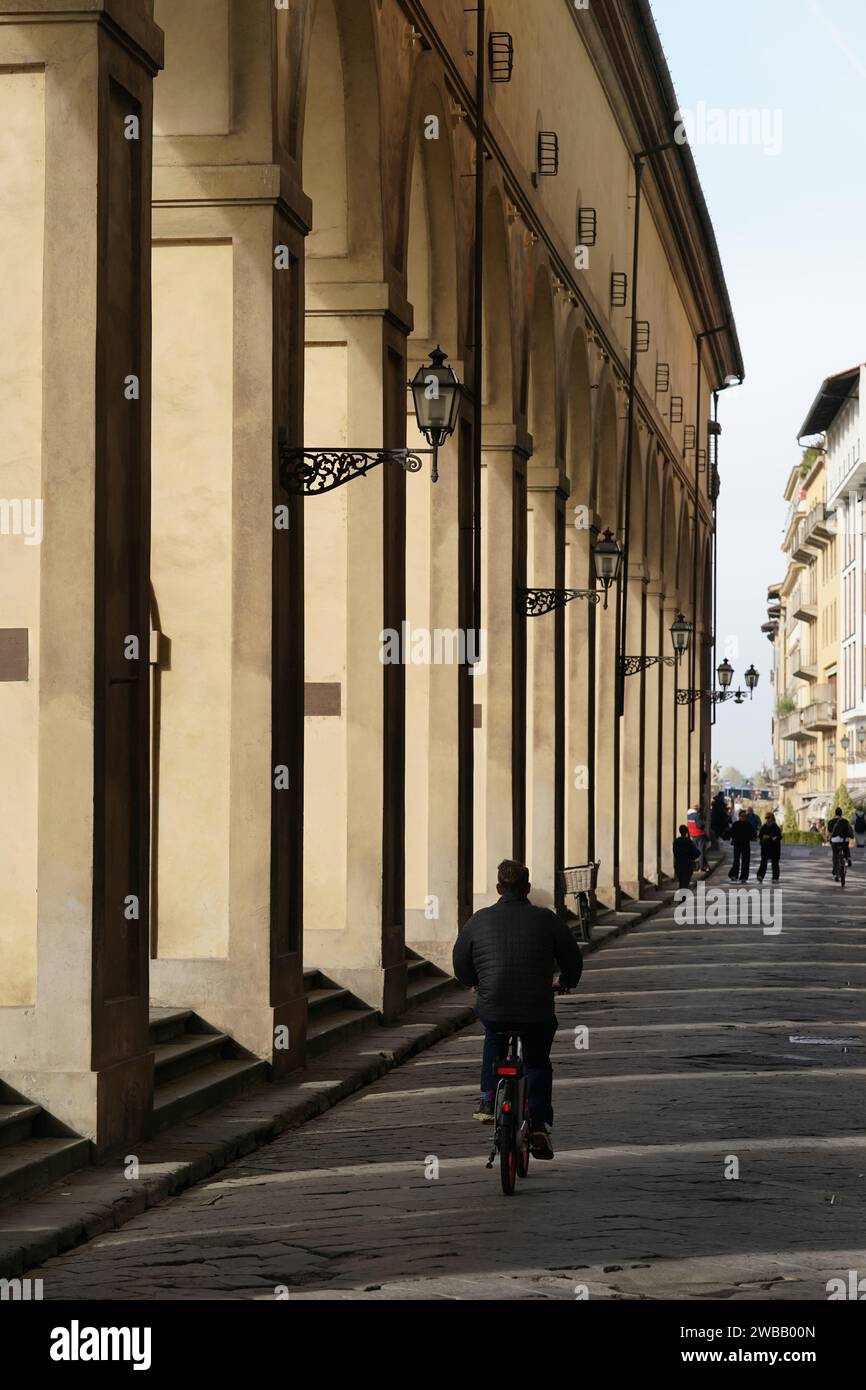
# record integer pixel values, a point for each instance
(860, 828)
(770, 837)
(685, 854)
(754, 820)
(742, 835)
(719, 820)
(698, 832)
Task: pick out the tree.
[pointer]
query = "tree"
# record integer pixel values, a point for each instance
(789, 822)
(843, 799)
(735, 777)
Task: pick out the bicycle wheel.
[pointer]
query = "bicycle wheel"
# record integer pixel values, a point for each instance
(508, 1151)
(523, 1138)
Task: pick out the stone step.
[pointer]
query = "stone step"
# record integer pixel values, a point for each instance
(334, 1028)
(32, 1164)
(17, 1121)
(322, 1001)
(192, 1092)
(421, 989)
(190, 1052)
(166, 1024)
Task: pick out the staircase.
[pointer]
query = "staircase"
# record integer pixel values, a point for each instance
(35, 1150)
(195, 1066)
(333, 1014)
(425, 981)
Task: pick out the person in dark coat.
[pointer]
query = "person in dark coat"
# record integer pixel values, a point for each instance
(770, 838)
(685, 854)
(509, 953)
(742, 836)
(719, 820)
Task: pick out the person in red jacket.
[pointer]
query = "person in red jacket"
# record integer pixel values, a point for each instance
(698, 832)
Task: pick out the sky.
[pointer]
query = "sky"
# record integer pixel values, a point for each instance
(791, 228)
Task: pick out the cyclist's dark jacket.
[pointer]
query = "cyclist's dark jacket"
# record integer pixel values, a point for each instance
(511, 951)
(840, 826)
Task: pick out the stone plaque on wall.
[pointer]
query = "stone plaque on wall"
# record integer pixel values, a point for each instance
(323, 697)
(14, 654)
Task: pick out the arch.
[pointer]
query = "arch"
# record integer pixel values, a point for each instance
(340, 134)
(578, 437)
(606, 454)
(499, 355)
(654, 551)
(428, 248)
(541, 394)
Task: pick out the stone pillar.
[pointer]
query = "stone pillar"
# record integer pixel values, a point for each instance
(500, 710)
(632, 742)
(607, 743)
(356, 588)
(548, 488)
(580, 618)
(229, 227)
(672, 755)
(76, 84)
(659, 685)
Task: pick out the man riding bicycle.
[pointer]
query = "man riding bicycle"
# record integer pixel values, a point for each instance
(509, 952)
(840, 833)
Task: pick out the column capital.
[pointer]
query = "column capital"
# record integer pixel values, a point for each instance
(542, 479)
(130, 21)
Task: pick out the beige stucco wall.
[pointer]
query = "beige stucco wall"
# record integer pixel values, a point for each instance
(22, 221)
(192, 582)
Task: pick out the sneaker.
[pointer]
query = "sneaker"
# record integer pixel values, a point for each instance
(540, 1145)
(484, 1112)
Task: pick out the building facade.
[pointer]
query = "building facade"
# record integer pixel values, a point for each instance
(235, 225)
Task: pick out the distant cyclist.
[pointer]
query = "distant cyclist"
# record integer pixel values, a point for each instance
(510, 953)
(840, 832)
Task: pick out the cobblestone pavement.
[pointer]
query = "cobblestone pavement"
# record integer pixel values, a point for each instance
(710, 1047)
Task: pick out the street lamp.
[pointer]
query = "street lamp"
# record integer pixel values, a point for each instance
(752, 677)
(725, 674)
(436, 394)
(681, 634)
(831, 748)
(607, 558)
(812, 759)
(861, 738)
(845, 742)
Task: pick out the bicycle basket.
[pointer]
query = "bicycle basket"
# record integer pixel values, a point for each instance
(580, 878)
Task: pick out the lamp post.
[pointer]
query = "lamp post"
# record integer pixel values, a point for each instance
(607, 560)
(725, 676)
(436, 396)
(680, 630)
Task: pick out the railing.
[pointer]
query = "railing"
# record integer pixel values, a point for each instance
(789, 725)
(818, 713)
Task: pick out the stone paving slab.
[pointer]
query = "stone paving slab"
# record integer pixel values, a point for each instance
(96, 1200)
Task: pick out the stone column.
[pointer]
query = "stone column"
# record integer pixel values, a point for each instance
(76, 88)
(607, 744)
(547, 487)
(580, 618)
(672, 754)
(659, 685)
(500, 739)
(229, 226)
(632, 742)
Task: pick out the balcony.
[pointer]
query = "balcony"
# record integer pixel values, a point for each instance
(803, 666)
(804, 601)
(819, 527)
(820, 716)
(800, 550)
(791, 727)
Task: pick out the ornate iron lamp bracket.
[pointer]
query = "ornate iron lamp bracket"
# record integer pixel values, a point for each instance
(311, 472)
(541, 601)
(716, 697)
(631, 665)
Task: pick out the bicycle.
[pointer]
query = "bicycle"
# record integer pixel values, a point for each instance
(839, 862)
(512, 1132)
(579, 881)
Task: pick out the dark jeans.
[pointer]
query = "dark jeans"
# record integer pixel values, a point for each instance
(769, 855)
(742, 860)
(537, 1042)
